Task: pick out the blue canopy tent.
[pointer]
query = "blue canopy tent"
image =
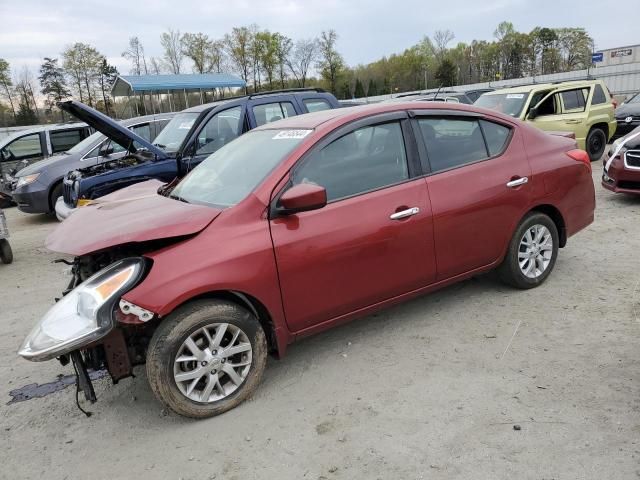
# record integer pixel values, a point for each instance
(188, 84)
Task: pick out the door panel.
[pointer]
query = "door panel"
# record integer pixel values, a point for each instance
(474, 212)
(351, 254)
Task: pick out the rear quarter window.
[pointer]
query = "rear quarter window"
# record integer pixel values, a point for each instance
(496, 136)
(316, 105)
(599, 96)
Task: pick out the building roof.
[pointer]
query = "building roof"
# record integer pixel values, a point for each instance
(128, 84)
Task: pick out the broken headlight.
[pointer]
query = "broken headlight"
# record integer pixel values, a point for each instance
(85, 314)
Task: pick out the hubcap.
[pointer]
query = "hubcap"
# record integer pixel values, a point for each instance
(535, 251)
(596, 144)
(212, 362)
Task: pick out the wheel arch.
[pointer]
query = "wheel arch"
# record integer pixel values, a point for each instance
(256, 307)
(602, 126)
(552, 212)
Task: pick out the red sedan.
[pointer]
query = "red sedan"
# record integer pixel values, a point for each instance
(299, 226)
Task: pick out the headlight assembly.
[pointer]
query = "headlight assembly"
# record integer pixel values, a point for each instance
(85, 314)
(27, 180)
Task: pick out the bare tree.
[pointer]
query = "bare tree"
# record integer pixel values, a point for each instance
(442, 39)
(135, 54)
(172, 44)
(283, 49)
(156, 66)
(304, 53)
(217, 55)
(5, 82)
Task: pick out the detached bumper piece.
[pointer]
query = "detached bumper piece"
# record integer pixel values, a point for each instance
(83, 382)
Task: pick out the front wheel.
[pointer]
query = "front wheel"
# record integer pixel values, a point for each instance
(6, 254)
(206, 358)
(532, 252)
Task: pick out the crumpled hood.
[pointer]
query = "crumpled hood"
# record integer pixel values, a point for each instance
(131, 215)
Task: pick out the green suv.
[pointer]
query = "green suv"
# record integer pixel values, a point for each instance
(582, 107)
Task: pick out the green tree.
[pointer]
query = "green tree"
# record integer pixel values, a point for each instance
(359, 91)
(106, 79)
(372, 91)
(7, 84)
(197, 47)
(238, 44)
(53, 83)
(446, 73)
(283, 45)
(331, 62)
(82, 63)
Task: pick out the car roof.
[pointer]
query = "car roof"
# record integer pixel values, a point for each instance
(311, 121)
(40, 128)
(239, 100)
(541, 86)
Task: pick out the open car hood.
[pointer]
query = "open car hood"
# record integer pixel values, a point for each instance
(109, 127)
(132, 215)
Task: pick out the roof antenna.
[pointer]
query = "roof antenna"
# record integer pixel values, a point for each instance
(436, 95)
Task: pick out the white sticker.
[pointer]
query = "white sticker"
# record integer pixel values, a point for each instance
(515, 95)
(291, 134)
(186, 125)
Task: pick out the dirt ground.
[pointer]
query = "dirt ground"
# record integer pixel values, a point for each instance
(430, 389)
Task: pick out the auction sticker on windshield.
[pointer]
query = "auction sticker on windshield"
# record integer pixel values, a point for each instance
(515, 95)
(291, 134)
(186, 125)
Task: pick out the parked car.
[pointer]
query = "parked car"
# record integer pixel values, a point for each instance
(34, 144)
(622, 164)
(628, 116)
(301, 225)
(582, 107)
(191, 136)
(37, 187)
(446, 95)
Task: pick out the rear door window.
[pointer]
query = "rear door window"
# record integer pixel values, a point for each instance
(496, 136)
(63, 140)
(452, 142)
(271, 112)
(599, 96)
(316, 104)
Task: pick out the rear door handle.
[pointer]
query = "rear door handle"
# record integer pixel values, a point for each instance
(574, 121)
(404, 213)
(517, 182)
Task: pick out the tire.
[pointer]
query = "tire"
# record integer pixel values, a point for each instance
(596, 143)
(510, 271)
(56, 192)
(168, 343)
(6, 254)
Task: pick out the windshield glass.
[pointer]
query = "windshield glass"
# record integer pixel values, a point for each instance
(172, 136)
(86, 143)
(231, 173)
(634, 99)
(509, 103)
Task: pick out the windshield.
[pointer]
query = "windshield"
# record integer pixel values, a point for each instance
(231, 173)
(172, 136)
(86, 143)
(634, 99)
(509, 103)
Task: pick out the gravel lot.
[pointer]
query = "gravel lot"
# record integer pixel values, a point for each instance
(430, 389)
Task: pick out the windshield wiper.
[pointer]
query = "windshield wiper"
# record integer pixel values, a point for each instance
(178, 197)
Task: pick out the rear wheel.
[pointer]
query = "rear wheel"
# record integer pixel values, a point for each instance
(206, 358)
(532, 252)
(596, 143)
(6, 254)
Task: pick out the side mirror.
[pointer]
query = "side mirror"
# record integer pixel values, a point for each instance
(106, 151)
(302, 198)
(533, 113)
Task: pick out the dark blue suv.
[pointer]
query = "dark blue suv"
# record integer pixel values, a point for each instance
(190, 137)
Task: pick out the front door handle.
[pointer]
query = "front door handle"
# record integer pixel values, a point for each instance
(517, 182)
(404, 213)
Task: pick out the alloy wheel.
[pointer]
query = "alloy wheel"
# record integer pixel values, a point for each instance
(212, 362)
(535, 251)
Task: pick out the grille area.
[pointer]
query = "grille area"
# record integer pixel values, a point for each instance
(632, 158)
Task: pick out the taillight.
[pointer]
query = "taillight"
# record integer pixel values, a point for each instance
(580, 156)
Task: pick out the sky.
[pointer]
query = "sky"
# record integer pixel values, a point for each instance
(31, 29)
